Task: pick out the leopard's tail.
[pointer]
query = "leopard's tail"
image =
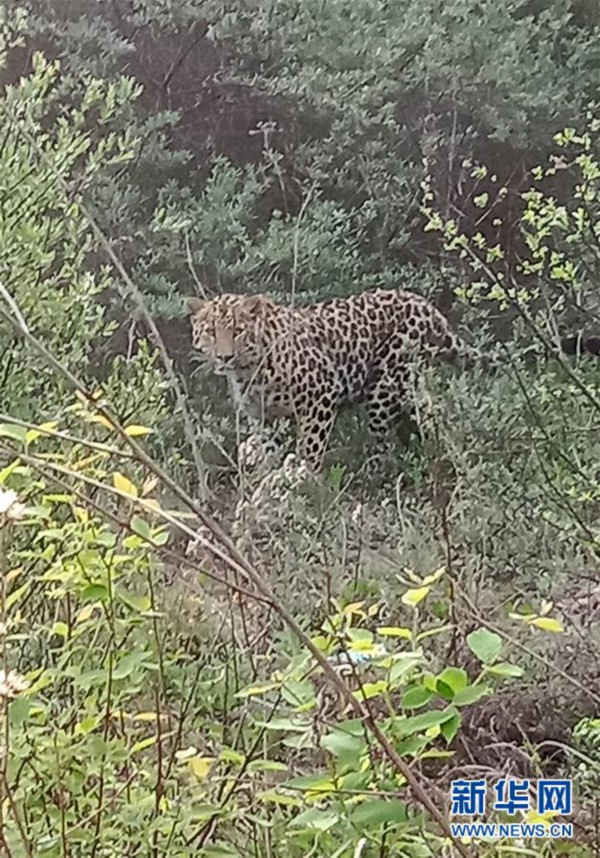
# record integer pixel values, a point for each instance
(459, 352)
(578, 345)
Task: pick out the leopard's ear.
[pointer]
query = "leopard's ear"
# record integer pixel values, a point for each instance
(258, 304)
(194, 304)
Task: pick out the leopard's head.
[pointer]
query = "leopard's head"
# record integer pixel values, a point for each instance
(227, 330)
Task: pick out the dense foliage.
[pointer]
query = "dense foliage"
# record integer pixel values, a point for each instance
(165, 691)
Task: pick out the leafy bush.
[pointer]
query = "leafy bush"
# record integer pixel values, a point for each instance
(121, 739)
(154, 698)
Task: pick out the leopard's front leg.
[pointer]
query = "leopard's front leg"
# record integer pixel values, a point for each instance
(314, 428)
(266, 439)
(263, 447)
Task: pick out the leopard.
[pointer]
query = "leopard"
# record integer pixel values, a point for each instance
(307, 363)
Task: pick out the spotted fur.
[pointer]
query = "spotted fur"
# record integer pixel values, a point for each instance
(306, 363)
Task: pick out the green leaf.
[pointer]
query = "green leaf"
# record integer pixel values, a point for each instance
(321, 820)
(356, 780)
(18, 711)
(87, 725)
(95, 593)
(256, 690)
(124, 485)
(471, 694)
(136, 603)
(128, 664)
(134, 430)
(228, 755)
(416, 697)
(266, 766)
(60, 629)
(412, 746)
(450, 681)
(320, 782)
(454, 677)
(8, 470)
(413, 597)
(435, 576)
(15, 433)
(394, 632)
(548, 624)
(440, 609)
(141, 527)
(444, 690)
(143, 744)
(372, 814)
(14, 597)
(371, 689)
(449, 728)
(436, 754)
(200, 766)
(342, 744)
(359, 636)
(297, 693)
(485, 645)
(160, 537)
(503, 668)
(402, 665)
(417, 723)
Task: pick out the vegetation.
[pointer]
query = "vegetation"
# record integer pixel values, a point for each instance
(197, 661)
